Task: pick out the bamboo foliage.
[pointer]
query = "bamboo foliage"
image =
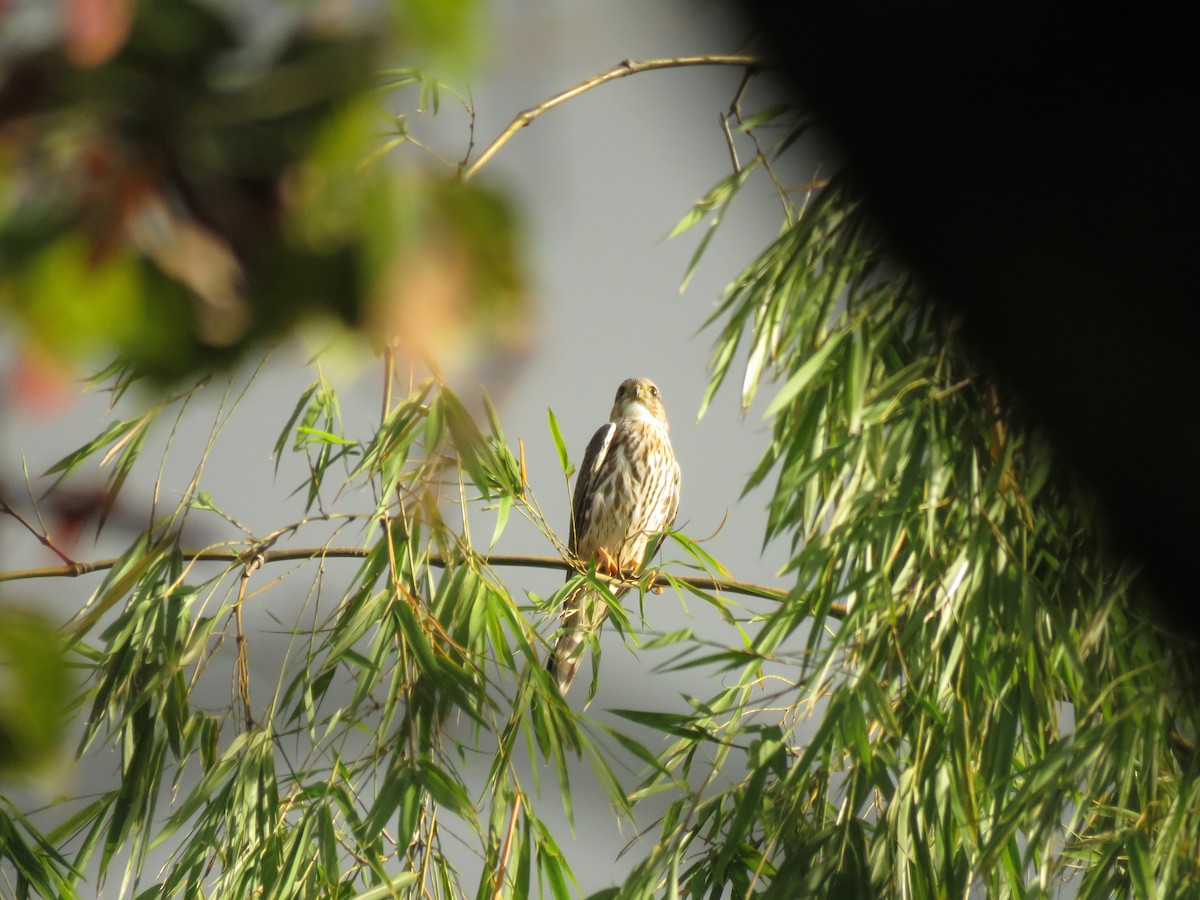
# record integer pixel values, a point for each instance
(995, 710)
(343, 781)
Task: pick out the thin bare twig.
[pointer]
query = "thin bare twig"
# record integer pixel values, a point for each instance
(469, 103)
(235, 557)
(735, 110)
(43, 536)
(729, 143)
(506, 851)
(620, 70)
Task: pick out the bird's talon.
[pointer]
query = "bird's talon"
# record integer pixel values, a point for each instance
(606, 564)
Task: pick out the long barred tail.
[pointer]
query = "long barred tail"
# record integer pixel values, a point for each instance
(564, 661)
(584, 612)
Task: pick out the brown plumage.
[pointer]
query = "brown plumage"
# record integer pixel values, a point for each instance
(627, 491)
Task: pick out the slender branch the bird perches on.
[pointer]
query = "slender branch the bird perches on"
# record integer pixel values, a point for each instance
(234, 557)
(621, 70)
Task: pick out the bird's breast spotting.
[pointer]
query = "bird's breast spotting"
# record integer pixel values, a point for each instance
(629, 491)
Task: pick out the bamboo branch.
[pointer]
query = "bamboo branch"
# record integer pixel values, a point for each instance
(620, 70)
(236, 557)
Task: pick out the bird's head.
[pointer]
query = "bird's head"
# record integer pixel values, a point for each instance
(639, 398)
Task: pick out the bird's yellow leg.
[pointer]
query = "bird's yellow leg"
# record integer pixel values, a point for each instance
(606, 564)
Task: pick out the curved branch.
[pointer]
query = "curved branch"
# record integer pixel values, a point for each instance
(620, 70)
(235, 557)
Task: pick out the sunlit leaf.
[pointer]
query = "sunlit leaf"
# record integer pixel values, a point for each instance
(564, 460)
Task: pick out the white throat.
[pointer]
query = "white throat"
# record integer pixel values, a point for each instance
(637, 410)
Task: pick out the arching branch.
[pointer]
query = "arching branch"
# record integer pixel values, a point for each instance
(622, 69)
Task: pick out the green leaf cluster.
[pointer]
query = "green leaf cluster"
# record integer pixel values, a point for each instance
(963, 691)
(352, 775)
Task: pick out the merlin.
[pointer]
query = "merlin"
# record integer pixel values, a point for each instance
(627, 491)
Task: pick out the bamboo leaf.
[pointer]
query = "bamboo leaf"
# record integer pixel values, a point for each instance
(802, 377)
(391, 888)
(560, 445)
(124, 430)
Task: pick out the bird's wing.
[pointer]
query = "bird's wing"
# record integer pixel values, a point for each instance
(582, 604)
(666, 493)
(673, 504)
(593, 459)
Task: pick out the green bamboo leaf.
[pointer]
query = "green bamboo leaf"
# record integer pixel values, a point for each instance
(321, 436)
(129, 569)
(698, 553)
(667, 723)
(801, 378)
(124, 430)
(503, 509)
(1141, 870)
(297, 412)
(445, 789)
(717, 198)
(551, 864)
(35, 859)
(560, 445)
(297, 854)
(764, 115)
(523, 854)
(473, 451)
(391, 888)
(637, 749)
(679, 636)
(493, 418)
(721, 361)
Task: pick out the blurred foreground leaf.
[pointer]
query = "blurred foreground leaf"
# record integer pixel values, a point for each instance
(34, 691)
(198, 188)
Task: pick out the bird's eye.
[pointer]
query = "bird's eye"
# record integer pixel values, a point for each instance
(653, 391)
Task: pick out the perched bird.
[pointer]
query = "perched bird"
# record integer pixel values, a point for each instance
(627, 491)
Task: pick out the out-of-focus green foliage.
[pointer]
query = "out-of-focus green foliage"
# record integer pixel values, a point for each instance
(35, 701)
(34, 692)
(194, 186)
